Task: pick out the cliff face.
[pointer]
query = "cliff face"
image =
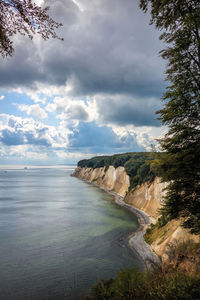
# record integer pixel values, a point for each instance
(147, 197)
(171, 233)
(113, 179)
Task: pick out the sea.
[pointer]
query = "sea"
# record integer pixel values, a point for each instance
(58, 234)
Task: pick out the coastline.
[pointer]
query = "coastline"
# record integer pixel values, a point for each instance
(136, 240)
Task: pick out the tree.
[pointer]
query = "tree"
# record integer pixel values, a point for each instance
(24, 17)
(180, 23)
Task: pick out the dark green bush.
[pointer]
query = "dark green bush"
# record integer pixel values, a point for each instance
(132, 284)
(162, 221)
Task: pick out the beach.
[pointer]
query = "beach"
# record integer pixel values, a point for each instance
(136, 240)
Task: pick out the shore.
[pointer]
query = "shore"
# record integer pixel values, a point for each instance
(136, 240)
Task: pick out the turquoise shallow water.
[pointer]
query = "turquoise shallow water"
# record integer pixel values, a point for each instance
(58, 234)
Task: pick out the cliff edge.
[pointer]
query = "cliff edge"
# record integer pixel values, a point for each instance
(147, 197)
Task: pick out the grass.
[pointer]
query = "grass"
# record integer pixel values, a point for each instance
(156, 230)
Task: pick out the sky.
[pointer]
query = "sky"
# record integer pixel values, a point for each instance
(94, 93)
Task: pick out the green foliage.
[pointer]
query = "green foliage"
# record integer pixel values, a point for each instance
(139, 170)
(186, 248)
(101, 161)
(162, 221)
(180, 22)
(180, 286)
(177, 279)
(152, 231)
(138, 165)
(148, 236)
(133, 284)
(102, 290)
(128, 284)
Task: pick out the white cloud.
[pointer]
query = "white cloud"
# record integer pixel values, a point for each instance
(28, 152)
(32, 140)
(73, 110)
(79, 4)
(73, 155)
(33, 110)
(39, 2)
(59, 104)
(27, 131)
(2, 97)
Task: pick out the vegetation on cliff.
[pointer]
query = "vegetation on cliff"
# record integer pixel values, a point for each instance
(179, 279)
(133, 284)
(138, 165)
(156, 230)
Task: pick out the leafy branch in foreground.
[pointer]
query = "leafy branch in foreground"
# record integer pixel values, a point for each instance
(24, 17)
(180, 23)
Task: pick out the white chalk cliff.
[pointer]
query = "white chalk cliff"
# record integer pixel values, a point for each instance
(147, 197)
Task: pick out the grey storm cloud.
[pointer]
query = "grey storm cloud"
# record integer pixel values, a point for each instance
(125, 110)
(108, 48)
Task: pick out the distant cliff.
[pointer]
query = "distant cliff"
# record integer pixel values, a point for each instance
(113, 179)
(147, 196)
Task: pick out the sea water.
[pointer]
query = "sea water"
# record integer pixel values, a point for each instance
(58, 234)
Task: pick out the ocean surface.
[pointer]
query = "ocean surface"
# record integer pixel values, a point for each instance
(58, 234)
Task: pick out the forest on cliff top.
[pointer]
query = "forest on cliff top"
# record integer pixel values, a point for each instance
(140, 166)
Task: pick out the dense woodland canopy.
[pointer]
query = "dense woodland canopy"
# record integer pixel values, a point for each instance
(139, 165)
